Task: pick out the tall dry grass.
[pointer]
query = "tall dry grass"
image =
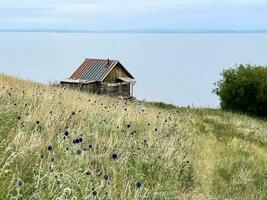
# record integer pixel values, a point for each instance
(172, 153)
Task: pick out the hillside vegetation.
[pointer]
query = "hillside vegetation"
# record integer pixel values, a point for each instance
(57, 143)
(243, 88)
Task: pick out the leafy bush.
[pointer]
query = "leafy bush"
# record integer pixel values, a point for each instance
(162, 105)
(244, 89)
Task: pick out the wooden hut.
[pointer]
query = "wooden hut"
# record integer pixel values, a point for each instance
(102, 76)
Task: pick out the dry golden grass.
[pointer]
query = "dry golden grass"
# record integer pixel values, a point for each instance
(174, 153)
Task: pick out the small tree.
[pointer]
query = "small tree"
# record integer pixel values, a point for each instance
(244, 89)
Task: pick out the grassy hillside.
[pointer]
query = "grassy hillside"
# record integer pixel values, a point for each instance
(57, 143)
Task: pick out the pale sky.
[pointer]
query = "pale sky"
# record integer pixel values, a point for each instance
(137, 14)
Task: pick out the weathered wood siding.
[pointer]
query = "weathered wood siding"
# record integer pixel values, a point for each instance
(117, 71)
(89, 87)
(69, 85)
(117, 90)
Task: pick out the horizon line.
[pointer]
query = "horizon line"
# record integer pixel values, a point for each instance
(149, 30)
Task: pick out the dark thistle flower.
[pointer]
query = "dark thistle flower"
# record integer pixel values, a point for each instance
(19, 118)
(105, 177)
(138, 184)
(20, 182)
(42, 156)
(52, 159)
(114, 156)
(128, 126)
(79, 151)
(49, 148)
(38, 122)
(94, 193)
(90, 146)
(66, 133)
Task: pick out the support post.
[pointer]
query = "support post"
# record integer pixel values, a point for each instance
(131, 90)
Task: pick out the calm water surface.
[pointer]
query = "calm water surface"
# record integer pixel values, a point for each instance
(175, 68)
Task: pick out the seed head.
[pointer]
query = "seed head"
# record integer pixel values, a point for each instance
(79, 151)
(105, 177)
(66, 133)
(20, 182)
(114, 156)
(94, 193)
(138, 184)
(50, 148)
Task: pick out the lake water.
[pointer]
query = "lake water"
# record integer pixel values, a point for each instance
(174, 68)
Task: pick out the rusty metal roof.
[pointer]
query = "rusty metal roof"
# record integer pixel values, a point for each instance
(95, 69)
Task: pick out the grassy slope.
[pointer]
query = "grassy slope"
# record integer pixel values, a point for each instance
(189, 153)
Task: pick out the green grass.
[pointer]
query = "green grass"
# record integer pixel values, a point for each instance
(176, 153)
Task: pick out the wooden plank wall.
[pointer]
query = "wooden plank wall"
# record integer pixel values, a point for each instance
(116, 72)
(119, 90)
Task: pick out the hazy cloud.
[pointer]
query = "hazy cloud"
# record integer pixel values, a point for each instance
(120, 14)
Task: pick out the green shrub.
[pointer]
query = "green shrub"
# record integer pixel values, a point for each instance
(244, 89)
(162, 105)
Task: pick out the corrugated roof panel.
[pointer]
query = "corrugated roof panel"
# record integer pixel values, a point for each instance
(94, 69)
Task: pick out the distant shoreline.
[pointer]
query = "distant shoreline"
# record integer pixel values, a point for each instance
(155, 31)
